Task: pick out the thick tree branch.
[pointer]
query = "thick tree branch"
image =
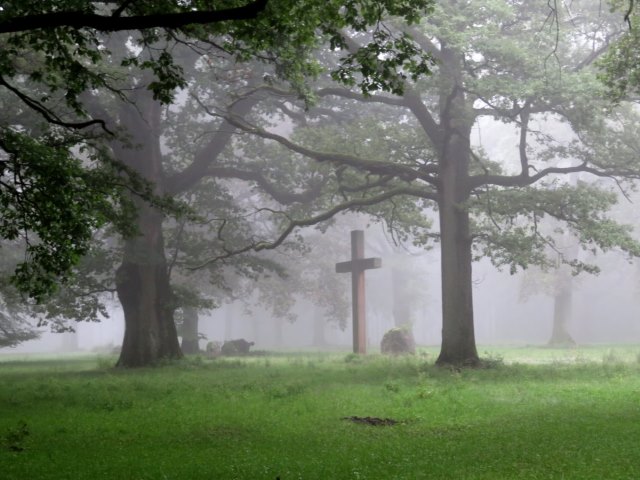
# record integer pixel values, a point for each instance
(117, 22)
(411, 100)
(48, 115)
(425, 43)
(185, 179)
(293, 224)
(424, 117)
(344, 93)
(280, 196)
(402, 172)
(593, 56)
(526, 180)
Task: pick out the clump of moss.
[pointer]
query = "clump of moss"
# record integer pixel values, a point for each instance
(398, 341)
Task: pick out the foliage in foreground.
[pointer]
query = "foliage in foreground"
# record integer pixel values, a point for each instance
(575, 416)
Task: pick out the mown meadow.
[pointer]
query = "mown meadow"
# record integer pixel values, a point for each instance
(533, 413)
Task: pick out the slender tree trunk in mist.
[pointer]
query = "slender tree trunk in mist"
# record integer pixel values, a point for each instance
(190, 343)
(319, 324)
(401, 310)
(70, 341)
(255, 329)
(229, 316)
(142, 280)
(279, 332)
(562, 307)
(458, 334)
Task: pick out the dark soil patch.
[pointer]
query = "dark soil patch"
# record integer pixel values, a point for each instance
(374, 421)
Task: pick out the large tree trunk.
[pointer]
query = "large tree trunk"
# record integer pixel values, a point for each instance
(458, 336)
(142, 280)
(190, 343)
(142, 283)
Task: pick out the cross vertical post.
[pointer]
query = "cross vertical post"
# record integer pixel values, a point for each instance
(356, 266)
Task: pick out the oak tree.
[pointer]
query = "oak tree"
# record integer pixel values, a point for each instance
(497, 63)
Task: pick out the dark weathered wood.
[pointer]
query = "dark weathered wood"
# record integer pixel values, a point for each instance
(356, 266)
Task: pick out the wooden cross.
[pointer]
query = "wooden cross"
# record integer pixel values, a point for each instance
(357, 265)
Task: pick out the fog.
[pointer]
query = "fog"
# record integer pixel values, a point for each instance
(100, 337)
(605, 311)
(605, 307)
(508, 310)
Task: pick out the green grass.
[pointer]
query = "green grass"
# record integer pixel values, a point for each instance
(538, 414)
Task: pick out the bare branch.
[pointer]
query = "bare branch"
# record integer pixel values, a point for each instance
(210, 152)
(48, 115)
(402, 172)
(344, 93)
(293, 224)
(627, 16)
(526, 180)
(282, 197)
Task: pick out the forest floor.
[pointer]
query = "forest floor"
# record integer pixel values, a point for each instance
(535, 414)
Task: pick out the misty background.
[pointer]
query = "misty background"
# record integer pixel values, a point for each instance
(510, 309)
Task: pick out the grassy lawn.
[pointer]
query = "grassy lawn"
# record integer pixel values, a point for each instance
(538, 414)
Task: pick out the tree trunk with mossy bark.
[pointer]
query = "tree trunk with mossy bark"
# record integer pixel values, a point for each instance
(142, 283)
(458, 334)
(142, 280)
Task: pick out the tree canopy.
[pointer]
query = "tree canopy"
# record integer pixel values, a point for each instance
(57, 184)
(620, 65)
(93, 94)
(496, 62)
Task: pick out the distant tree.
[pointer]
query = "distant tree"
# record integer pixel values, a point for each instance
(558, 282)
(14, 328)
(17, 323)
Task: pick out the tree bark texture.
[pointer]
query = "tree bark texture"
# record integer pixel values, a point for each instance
(142, 280)
(458, 335)
(142, 283)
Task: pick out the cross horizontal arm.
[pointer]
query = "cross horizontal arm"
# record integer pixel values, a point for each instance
(358, 265)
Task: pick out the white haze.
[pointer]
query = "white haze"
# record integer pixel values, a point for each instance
(606, 308)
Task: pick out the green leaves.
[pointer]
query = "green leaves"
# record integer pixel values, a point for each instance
(384, 64)
(620, 67)
(53, 203)
(517, 228)
(169, 77)
(376, 59)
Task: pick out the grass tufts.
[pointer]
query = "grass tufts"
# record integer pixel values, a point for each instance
(536, 413)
